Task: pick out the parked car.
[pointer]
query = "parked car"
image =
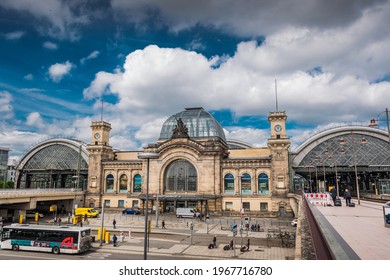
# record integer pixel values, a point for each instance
(294, 222)
(186, 213)
(131, 211)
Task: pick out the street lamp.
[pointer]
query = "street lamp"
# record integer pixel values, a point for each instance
(373, 121)
(337, 178)
(363, 141)
(241, 207)
(148, 156)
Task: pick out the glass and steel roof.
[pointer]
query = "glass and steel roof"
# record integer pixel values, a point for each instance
(55, 157)
(200, 124)
(348, 149)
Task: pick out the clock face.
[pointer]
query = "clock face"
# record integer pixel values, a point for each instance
(97, 135)
(278, 128)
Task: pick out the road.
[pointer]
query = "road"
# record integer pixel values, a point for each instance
(172, 243)
(94, 254)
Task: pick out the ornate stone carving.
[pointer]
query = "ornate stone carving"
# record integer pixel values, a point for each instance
(181, 130)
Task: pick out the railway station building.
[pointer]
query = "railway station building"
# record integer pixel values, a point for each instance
(192, 164)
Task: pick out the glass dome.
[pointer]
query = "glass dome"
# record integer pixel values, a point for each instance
(200, 124)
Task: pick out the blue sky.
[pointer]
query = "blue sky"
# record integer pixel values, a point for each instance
(150, 59)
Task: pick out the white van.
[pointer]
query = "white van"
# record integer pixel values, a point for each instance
(186, 213)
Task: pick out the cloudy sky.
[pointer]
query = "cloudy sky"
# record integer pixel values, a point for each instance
(149, 59)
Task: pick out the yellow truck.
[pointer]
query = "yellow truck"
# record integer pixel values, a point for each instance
(86, 211)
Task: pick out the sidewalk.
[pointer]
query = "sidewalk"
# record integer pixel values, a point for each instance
(180, 243)
(362, 228)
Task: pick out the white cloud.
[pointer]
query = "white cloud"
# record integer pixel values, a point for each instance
(6, 110)
(92, 55)
(50, 45)
(35, 120)
(29, 77)
(59, 17)
(348, 44)
(252, 18)
(158, 82)
(16, 35)
(59, 70)
(256, 137)
(18, 141)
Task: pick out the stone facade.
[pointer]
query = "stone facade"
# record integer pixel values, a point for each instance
(207, 174)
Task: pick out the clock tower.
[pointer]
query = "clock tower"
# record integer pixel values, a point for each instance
(99, 150)
(279, 145)
(100, 133)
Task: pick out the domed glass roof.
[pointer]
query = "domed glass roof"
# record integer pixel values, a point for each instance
(200, 124)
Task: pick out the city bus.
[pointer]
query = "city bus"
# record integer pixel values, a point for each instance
(46, 238)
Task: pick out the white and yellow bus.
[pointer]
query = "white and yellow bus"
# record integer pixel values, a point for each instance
(46, 238)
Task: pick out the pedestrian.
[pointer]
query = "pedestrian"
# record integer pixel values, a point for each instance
(55, 219)
(347, 197)
(114, 239)
(231, 243)
(247, 244)
(114, 224)
(215, 241)
(59, 221)
(333, 192)
(69, 215)
(163, 224)
(85, 217)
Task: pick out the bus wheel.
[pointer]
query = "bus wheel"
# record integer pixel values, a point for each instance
(56, 250)
(15, 247)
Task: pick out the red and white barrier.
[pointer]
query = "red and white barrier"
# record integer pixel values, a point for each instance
(324, 199)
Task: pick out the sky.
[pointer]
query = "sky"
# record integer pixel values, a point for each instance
(62, 61)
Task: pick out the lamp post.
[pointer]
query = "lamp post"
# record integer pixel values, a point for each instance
(337, 179)
(148, 156)
(373, 122)
(241, 207)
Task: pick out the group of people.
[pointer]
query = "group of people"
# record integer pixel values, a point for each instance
(255, 227)
(230, 246)
(57, 220)
(347, 196)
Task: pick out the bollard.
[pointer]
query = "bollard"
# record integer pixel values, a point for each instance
(107, 239)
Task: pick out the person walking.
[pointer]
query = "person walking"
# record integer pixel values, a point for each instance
(215, 241)
(114, 224)
(333, 193)
(163, 224)
(347, 197)
(114, 239)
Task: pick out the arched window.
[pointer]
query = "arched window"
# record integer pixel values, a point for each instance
(263, 184)
(246, 183)
(181, 176)
(110, 183)
(123, 183)
(137, 183)
(229, 183)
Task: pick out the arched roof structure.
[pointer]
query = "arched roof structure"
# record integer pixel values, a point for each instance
(56, 153)
(345, 146)
(54, 163)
